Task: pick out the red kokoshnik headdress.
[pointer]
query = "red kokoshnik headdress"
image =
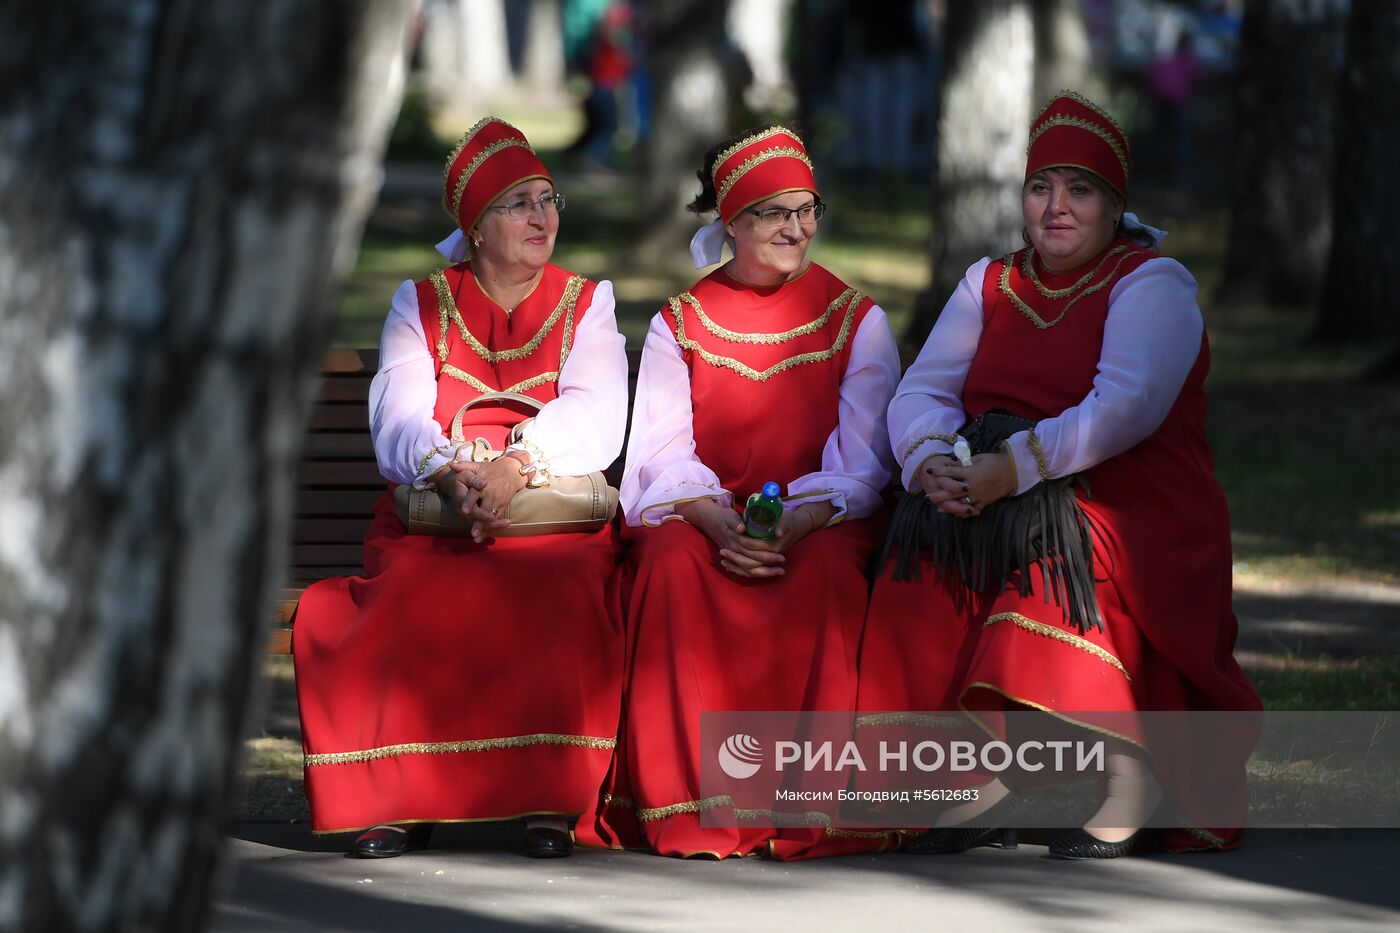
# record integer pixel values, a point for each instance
(1074, 133)
(759, 167)
(492, 158)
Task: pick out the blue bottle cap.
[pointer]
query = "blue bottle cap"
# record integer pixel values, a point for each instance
(771, 490)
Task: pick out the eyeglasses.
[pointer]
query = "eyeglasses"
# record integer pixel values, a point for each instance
(778, 216)
(550, 204)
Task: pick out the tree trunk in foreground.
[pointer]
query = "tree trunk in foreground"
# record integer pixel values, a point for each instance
(182, 185)
(986, 114)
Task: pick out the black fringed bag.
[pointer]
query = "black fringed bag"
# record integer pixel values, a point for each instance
(1043, 532)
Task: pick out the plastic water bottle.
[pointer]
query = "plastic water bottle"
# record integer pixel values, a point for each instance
(762, 512)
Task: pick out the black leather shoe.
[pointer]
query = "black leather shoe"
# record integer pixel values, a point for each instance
(950, 840)
(543, 842)
(1079, 845)
(389, 841)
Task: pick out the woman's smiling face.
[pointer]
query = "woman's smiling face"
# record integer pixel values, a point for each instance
(765, 255)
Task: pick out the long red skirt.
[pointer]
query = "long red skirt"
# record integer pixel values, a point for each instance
(702, 639)
(927, 649)
(460, 682)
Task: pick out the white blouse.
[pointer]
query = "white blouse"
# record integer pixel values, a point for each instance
(1151, 339)
(576, 433)
(663, 470)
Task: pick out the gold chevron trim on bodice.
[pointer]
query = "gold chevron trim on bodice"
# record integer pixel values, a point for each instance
(734, 336)
(850, 296)
(448, 315)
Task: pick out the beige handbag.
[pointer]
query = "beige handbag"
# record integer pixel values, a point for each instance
(568, 503)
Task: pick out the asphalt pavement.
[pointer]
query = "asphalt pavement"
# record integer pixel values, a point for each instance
(474, 878)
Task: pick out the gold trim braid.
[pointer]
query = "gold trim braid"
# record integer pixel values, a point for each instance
(596, 743)
(748, 372)
(912, 719)
(1050, 631)
(734, 336)
(524, 385)
(1080, 124)
(452, 158)
(755, 160)
(476, 163)
(945, 438)
(448, 313)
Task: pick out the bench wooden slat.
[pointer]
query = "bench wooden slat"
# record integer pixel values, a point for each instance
(331, 530)
(339, 416)
(337, 445)
(355, 474)
(349, 390)
(337, 503)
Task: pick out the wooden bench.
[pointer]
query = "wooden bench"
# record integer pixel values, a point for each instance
(338, 482)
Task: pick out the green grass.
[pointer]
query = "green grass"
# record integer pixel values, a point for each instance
(1288, 683)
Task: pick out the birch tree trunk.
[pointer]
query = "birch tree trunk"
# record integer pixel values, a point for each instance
(1281, 199)
(989, 55)
(181, 186)
(688, 117)
(1363, 270)
(1061, 50)
(544, 51)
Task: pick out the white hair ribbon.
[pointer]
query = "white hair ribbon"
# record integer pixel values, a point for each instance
(1131, 222)
(454, 248)
(707, 246)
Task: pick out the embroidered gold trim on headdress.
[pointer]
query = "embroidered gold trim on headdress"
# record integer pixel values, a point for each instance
(447, 312)
(755, 160)
(597, 743)
(452, 159)
(1082, 124)
(1082, 101)
(748, 372)
(742, 144)
(734, 336)
(476, 163)
(1050, 631)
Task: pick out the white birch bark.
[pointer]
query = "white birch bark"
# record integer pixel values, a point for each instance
(180, 189)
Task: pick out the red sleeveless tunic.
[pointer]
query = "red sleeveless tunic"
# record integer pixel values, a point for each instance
(765, 373)
(1163, 561)
(456, 681)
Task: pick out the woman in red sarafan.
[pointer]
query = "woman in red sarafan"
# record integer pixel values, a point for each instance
(476, 678)
(769, 369)
(1097, 339)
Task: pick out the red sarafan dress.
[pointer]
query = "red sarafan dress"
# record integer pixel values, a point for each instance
(785, 384)
(456, 681)
(1116, 358)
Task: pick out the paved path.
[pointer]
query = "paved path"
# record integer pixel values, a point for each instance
(1337, 880)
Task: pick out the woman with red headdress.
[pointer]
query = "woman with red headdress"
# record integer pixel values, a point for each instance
(448, 684)
(1095, 340)
(768, 370)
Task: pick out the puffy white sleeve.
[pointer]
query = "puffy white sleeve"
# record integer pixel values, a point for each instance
(409, 444)
(662, 470)
(1151, 339)
(927, 409)
(856, 461)
(582, 429)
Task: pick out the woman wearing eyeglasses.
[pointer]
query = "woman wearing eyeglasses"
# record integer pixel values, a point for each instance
(475, 678)
(769, 369)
